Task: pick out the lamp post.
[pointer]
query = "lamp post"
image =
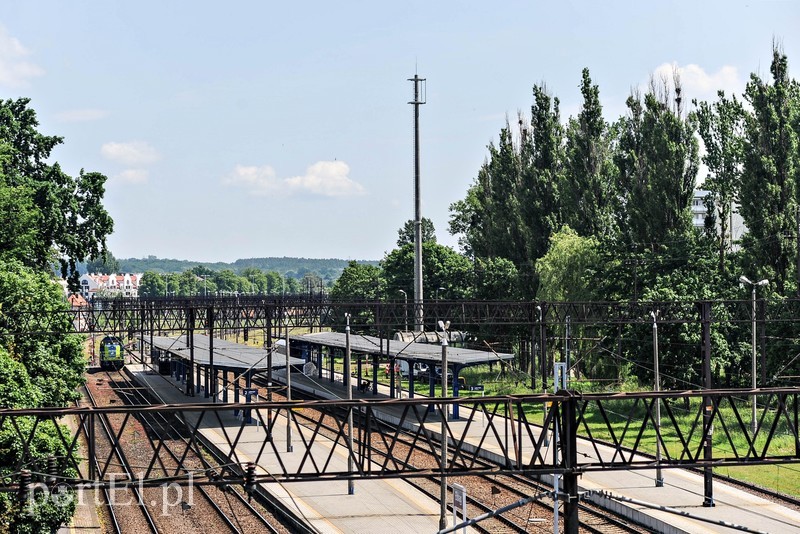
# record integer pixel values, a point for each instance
(743, 279)
(437, 305)
(346, 376)
(657, 388)
(405, 310)
(443, 488)
(289, 447)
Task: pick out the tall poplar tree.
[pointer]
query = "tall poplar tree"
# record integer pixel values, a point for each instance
(658, 160)
(769, 179)
(589, 194)
(721, 127)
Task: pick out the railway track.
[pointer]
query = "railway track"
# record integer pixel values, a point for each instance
(774, 496)
(485, 493)
(205, 508)
(489, 493)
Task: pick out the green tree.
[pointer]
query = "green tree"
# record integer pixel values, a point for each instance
(275, 284)
(54, 361)
(105, 264)
(658, 160)
(227, 281)
(19, 219)
(256, 278)
(495, 279)
(468, 219)
(36, 370)
(72, 223)
(441, 267)
(720, 126)
(292, 285)
(187, 284)
(543, 160)
(589, 195)
(151, 285)
(359, 281)
(564, 270)
(16, 388)
(512, 207)
(406, 233)
(769, 178)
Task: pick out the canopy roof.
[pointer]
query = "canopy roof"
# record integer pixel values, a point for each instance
(227, 354)
(404, 350)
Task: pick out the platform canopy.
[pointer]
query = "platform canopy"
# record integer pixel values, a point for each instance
(227, 354)
(423, 352)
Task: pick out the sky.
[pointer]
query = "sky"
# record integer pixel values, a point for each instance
(254, 128)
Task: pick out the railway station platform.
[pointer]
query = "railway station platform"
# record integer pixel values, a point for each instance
(327, 507)
(682, 492)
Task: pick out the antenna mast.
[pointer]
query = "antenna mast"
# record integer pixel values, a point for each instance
(419, 99)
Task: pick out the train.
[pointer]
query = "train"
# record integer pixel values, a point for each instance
(112, 353)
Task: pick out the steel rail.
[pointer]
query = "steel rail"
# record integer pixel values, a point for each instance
(164, 424)
(125, 465)
(106, 495)
(526, 482)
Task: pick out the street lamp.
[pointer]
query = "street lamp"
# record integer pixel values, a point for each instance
(743, 279)
(346, 379)
(437, 305)
(405, 310)
(443, 487)
(204, 277)
(289, 446)
(657, 388)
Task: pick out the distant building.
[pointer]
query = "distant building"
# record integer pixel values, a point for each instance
(736, 227)
(77, 301)
(110, 285)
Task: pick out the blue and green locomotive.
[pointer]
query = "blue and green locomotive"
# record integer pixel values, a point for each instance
(112, 353)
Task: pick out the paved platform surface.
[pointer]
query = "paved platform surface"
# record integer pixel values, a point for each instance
(376, 505)
(682, 490)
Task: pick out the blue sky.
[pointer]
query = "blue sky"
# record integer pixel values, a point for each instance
(283, 129)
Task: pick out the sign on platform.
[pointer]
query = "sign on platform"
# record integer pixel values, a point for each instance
(460, 505)
(476, 387)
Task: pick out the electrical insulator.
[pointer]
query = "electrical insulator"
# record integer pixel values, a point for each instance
(249, 479)
(52, 471)
(24, 484)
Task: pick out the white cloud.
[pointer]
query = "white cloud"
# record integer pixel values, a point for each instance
(15, 71)
(82, 115)
(132, 177)
(131, 153)
(257, 180)
(699, 84)
(325, 178)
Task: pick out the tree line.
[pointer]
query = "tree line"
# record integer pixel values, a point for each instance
(591, 210)
(202, 281)
(46, 217)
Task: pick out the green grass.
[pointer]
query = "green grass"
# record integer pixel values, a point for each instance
(782, 478)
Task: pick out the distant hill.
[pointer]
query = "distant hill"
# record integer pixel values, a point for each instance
(328, 268)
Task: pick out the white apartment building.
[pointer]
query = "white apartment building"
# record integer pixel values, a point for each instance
(736, 227)
(124, 285)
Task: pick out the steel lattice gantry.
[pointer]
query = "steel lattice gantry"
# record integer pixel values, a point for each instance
(613, 431)
(178, 315)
